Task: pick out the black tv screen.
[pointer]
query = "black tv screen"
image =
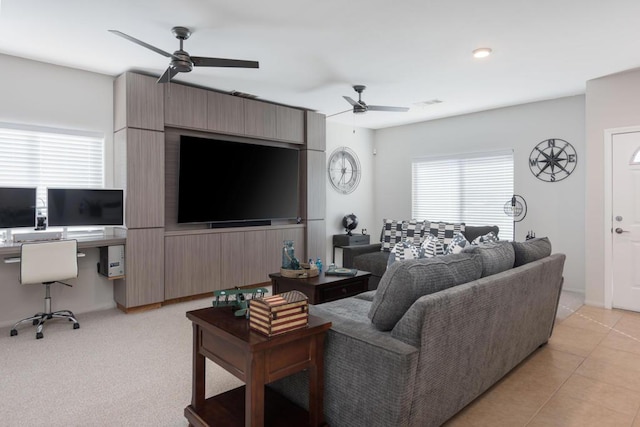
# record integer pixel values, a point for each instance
(222, 181)
(68, 207)
(17, 207)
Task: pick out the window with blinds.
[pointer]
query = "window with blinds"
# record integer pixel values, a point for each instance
(44, 157)
(469, 188)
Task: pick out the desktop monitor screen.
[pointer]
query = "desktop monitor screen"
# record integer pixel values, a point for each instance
(17, 207)
(68, 207)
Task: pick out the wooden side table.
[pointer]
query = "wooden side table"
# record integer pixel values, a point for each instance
(257, 360)
(340, 240)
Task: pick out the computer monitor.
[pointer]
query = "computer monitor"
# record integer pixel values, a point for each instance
(17, 207)
(69, 207)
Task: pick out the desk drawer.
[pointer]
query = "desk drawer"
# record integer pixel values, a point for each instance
(342, 290)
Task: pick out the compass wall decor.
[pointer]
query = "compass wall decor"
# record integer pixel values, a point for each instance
(553, 160)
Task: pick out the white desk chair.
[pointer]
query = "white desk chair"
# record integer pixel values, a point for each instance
(47, 263)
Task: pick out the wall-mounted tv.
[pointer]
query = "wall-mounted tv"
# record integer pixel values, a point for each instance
(69, 207)
(223, 181)
(17, 207)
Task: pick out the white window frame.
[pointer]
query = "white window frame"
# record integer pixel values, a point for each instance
(489, 208)
(27, 153)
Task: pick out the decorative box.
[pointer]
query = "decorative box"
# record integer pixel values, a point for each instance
(278, 314)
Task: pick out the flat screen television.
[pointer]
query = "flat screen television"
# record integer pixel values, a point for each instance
(17, 207)
(222, 181)
(69, 207)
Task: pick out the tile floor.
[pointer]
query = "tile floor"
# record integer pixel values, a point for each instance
(587, 375)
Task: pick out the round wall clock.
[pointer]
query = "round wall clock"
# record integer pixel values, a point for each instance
(344, 170)
(553, 160)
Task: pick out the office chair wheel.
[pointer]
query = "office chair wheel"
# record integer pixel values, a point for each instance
(35, 322)
(14, 332)
(39, 335)
(76, 325)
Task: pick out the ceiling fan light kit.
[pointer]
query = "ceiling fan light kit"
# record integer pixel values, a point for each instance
(181, 61)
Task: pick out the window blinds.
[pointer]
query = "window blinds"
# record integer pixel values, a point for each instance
(44, 157)
(470, 188)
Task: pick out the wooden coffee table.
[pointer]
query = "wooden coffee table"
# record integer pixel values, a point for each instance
(322, 288)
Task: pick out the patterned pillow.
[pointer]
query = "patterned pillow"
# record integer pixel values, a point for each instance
(458, 243)
(444, 231)
(411, 231)
(489, 237)
(432, 246)
(391, 234)
(404, 250)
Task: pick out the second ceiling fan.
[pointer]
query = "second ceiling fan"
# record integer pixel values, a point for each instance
(181, 61)
(360, 106)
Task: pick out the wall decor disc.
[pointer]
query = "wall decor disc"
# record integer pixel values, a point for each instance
(344, 170)
(553, 160)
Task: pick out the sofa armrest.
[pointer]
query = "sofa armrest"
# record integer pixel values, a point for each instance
(350, 252)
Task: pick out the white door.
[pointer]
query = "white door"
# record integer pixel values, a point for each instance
(626, 220)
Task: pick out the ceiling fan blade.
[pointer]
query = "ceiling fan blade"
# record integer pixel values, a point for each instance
(143, 44)
(352, 102)
(341, 112)
(385, 108)
(200, 61)
(167, 75)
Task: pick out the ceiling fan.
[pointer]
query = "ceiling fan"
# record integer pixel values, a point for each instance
(359, 106)
(181, 61)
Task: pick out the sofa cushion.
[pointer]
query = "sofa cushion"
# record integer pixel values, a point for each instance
(368, 296)
(496, 256)
(373, 262)
(531, 250)
(405, 282)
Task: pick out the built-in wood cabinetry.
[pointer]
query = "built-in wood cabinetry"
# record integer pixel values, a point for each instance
(185, 106)
(139, 159)
(225, 113)
(138, 102)
(144, 260)
(202, 261)
(166, 260)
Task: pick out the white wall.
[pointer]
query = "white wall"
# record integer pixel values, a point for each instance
(611, 102)
(360, 201)
(555, 209)
(47, 95)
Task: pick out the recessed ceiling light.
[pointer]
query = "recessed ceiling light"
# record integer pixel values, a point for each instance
(482, 52)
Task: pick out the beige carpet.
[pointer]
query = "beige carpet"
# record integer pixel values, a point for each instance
(116, 370)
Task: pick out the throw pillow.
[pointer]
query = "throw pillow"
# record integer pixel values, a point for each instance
(496, 256)
(531, 250)
(404, 251)
(411, 231)
(458, 243)
(404, 282)
(444, 231)
(489, 237)
(432, 247)
(391, 234)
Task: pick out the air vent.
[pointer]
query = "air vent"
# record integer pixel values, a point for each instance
(242, 94)
(426, 103)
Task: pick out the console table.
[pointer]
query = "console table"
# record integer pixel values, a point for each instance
(257, 360)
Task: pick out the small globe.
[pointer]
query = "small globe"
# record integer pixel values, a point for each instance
(350, 222)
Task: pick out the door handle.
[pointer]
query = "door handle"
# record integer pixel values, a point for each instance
(620, 230)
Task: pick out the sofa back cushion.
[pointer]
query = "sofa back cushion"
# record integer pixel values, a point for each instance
(496, 256)
(531, 250)
(405, 282)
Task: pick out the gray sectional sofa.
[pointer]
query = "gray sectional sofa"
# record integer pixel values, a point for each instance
(370, 258)
(436, 334)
